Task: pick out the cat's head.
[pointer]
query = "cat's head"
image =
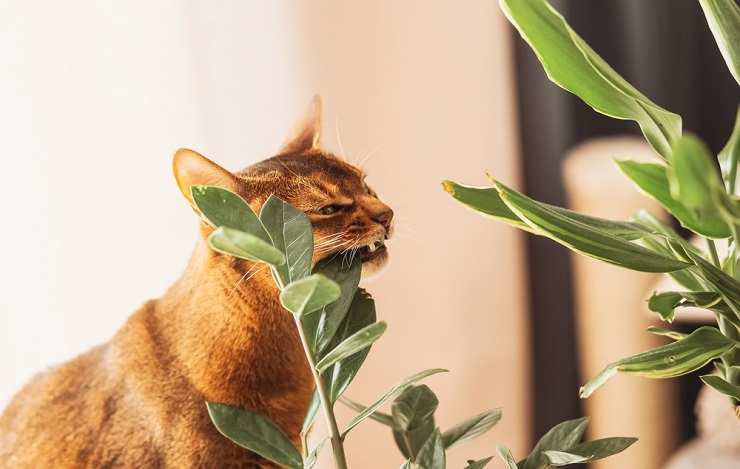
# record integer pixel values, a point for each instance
(345, 212)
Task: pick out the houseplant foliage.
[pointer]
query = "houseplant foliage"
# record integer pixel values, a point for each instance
(337, 324)
(687, 183)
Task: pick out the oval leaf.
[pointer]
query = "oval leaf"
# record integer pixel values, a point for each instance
(291, 232)
(432, 453)
(559, 438)
(221, 207)
(506, 456)
(561, 458)
(245, 246)
(471, 428)
(602, 448)
(414, 407)
(360, 340)
(309, 294)
(361, 314)
(256, 433)
(322, 326)
(675, 359)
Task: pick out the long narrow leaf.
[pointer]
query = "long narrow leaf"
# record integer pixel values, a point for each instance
(723, 17)
(573, 65)
(729, 157)
(676, 359)
(487, 201)
(722, 386)
(394, 391)
(256, 433)
(585, 239)
(652, 180)
(562, 458)
(479, 463)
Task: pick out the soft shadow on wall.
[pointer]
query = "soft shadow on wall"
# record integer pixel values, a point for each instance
(94, 99)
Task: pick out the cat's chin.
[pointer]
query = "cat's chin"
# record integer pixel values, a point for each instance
(374, 262)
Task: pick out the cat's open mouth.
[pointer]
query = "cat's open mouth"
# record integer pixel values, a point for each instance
(372, 250)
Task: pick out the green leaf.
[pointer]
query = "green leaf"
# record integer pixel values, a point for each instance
(432, 454)
(221, 207)
(573, 65)
(561, 458)
(360, 340)
(309, 294)
(652, 180)
(394, 391)
(507, 457)
(256, 433)
(291, 232)
(312, 457)
(487, 201)
(479, 464)
(415, 406)
(322, 326)
(719, 384)
(585, 239)
(245, 246)
(559, 438)
(313, 410)
(360, 315)
(666, 333)
(378, 416)
(729, 157)
(723, 17)
(725, 285)
(665, 303)
(675, 359)
(406, 465)
(602, 448)
(411, 441)
(471, 428)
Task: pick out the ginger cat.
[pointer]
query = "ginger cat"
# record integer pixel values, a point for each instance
(139, 400)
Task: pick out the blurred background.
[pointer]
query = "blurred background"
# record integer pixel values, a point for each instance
(95, 98)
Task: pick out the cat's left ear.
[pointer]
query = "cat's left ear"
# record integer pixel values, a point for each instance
(306, 131)
(192, 169)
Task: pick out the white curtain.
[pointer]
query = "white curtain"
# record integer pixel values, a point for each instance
(95, 97)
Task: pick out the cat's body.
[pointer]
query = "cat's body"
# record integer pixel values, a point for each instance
(139, 400)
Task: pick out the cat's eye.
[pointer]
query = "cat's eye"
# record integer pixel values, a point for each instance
(330, 209)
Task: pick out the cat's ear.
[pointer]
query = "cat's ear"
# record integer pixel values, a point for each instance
(306, 131)
(191, 169)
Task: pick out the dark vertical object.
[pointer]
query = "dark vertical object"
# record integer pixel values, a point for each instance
(665, 49)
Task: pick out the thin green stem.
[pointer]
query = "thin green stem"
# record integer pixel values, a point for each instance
(340, 460)
(337, 445)
(713, 253)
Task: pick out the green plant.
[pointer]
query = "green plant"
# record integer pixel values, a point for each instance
(337, 325)
(687, 183)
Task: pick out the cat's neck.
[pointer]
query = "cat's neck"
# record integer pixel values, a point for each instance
(229, 332)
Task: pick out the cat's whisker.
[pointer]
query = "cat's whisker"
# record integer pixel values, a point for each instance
(364, 160)
(236, 287)
(339, 139)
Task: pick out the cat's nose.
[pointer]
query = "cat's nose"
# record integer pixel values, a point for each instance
(384, 217)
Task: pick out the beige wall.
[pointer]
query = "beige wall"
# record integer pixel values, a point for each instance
(98, 103)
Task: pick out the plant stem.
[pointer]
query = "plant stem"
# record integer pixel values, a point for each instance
(340, 460)
(337, 445)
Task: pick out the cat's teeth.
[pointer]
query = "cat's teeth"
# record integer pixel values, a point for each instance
(371, 247)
